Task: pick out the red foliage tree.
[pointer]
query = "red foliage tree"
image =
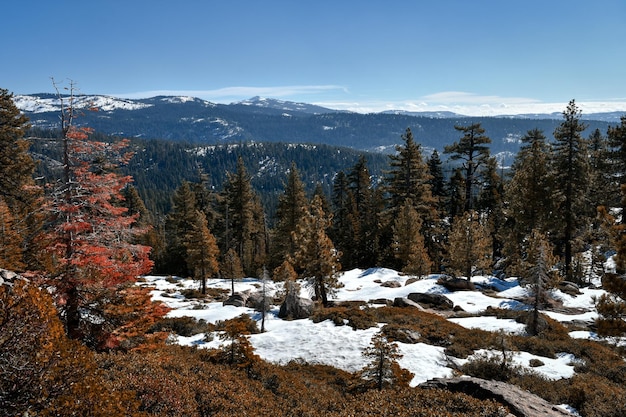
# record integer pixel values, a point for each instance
(91, 256)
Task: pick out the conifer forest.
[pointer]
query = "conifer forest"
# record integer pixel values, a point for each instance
(86, 216)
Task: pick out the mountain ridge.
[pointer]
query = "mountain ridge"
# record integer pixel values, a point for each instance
(193, 120)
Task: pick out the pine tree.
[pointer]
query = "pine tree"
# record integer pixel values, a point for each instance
(408, 242)
(239, 216)
(292, 206)
(491, 203)
(438, 180)
(529, 192)
(456, 191)
(342, 229)
(179, 223)
(570, 167)
(611, 306)
(383, 369)
(538, 275)
(201, 251)
(315, 255)
(17, 187)
(529, 198)
(231, 268)
(409, 178)
(89, 239)
(472, 149)
(363, 216)
(469, 245)
(16, 165)
(239, 352)
(10, 241)
(603, 188)
(616, 137)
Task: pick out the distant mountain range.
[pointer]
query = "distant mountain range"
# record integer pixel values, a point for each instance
(189, 119)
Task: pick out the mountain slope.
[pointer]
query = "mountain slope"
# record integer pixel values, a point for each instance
(188, 119)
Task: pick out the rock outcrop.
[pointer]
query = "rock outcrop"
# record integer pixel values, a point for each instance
(436, 301)
(456, 284)
(296, 307)
(519, 402)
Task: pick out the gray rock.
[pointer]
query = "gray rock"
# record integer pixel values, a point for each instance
(405, 302)
(569, 288)
(437, 301)
(391, 284)
(255, 301)
(456, 284)
(295, 307)
(382, 301)
(520, 403)
(237, 300)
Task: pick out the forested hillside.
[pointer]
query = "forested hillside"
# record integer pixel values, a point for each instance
(192, 120)
(85, 215)
(158, 167)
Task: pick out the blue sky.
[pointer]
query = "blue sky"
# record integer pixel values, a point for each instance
(471, 56)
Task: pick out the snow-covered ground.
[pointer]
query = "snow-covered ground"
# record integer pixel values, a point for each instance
(341, 346)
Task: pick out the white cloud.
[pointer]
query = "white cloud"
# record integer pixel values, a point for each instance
(471, 104)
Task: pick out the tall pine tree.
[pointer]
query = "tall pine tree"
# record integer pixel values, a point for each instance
(201, 251)
(17, 188)
(292, 207)
(570, 168)
(92, 259)
(243, 226)
(473, 150)
(315, 255)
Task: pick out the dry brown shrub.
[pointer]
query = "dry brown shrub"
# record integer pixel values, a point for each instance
(182, 326)
(353, 316)
(595, 396)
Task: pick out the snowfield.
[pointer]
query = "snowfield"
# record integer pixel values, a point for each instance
(341, 346)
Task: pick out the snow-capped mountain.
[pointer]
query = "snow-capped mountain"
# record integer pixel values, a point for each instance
(190, 119)
(46, 103)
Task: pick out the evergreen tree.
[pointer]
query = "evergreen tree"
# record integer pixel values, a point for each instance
(383, 368)
(408, 242)
(363, 216)
(292, 206)
(469, 246)
(201, 250)
(570, 167)
(240, 206)
(90, 241)
(16, 165)
(491, 204)
(409, 179)
(91, 257)
(530, 205)
(341, 231)
(231, 268)
(10, 241)
(538, 275)
(456, 191)
(315, 255)
(612, 305)
(17, 188)
(603, 188)
(616, 136)
(438, 180)
(473, 150)
(180, 222)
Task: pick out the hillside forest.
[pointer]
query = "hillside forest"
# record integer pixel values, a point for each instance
(83, 215)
